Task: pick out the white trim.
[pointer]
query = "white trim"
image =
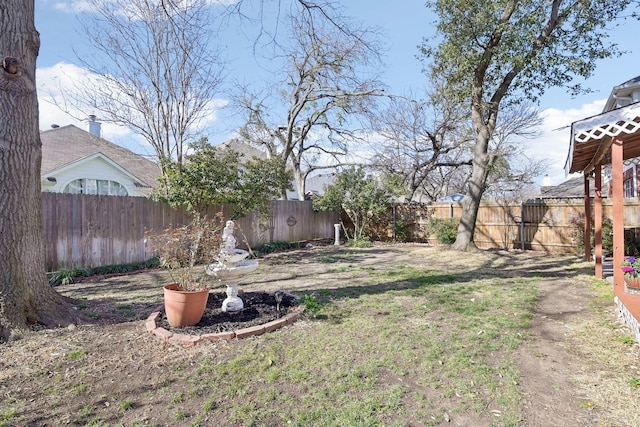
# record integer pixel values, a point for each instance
(628, 89)
(611, 123)
(98, 155)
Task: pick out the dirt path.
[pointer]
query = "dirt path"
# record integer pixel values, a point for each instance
(547, 362)
(576, 370)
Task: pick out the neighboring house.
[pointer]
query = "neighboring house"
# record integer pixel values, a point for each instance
(246, 151)
(314, 185)
(81, 162)
(622, 95)
(455, 197)
(572, 188)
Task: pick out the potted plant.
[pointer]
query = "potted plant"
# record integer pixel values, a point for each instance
(631, 268)
(180, 250)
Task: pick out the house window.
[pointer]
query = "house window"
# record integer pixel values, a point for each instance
(628, 189)
(100, 187)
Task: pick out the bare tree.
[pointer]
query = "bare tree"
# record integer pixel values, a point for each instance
(26, 299)
(327, 84)
(429, 144)
(512, 172)
(422, 141)
(154, 69)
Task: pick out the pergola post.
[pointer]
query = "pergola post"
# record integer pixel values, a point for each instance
(597, 218)
(587, 220)
(618, 211)
(598, 141)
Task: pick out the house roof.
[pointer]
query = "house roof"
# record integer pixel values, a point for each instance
(244, 149)
(455, 197)
(571, 188)
(624, 90)
(68, 144)
(317, 183)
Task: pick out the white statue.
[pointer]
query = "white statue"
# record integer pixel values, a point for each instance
(230, 267)
(228, 239)
(229, 255)
(232, 302)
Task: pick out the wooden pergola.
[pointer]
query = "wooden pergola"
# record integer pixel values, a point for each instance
(608, 139)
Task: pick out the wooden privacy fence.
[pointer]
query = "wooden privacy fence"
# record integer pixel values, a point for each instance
(89, 231)
(540, 225)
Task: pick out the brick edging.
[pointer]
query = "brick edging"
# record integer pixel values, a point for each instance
(152, 324)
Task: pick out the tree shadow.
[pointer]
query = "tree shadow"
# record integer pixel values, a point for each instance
(330, 273)
(506, 266)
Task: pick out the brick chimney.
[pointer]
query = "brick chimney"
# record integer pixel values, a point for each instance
(94, 126)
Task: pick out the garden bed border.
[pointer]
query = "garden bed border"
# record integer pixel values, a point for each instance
(152, 324)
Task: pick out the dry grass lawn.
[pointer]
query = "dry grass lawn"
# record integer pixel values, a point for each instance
(394, 335)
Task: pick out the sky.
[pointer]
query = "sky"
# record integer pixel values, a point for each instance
(403, 25)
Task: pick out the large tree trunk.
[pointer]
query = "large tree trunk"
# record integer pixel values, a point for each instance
(26, 299)
(477, 183)
(471, 204)
(300, 184)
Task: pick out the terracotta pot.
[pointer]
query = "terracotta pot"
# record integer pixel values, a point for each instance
(632, 282)
(184, 308)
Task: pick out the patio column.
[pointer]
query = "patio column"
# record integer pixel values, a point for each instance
(597, 218)
(587, 221)
(618, 213)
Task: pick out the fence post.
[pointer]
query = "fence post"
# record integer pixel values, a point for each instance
(337, 234)
(522, 226)
(393, 210)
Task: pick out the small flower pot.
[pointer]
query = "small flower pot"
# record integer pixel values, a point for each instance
(632, 283)
(184, 308)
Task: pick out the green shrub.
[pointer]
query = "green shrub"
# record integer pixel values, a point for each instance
(152, 263)
(64, 276)
(577, 223)
(445, 230)
(632, 242)
(401, 230)
(362, 242)
(277, 246)
(311, 303)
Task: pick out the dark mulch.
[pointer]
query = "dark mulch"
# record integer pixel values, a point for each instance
(259, 308)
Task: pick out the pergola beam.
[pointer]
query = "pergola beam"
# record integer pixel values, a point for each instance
(599, 155)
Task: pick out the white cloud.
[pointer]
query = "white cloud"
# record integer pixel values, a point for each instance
(58, 83)
(72, 6)
(553, 143)
(78, 6)
(55, 85)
